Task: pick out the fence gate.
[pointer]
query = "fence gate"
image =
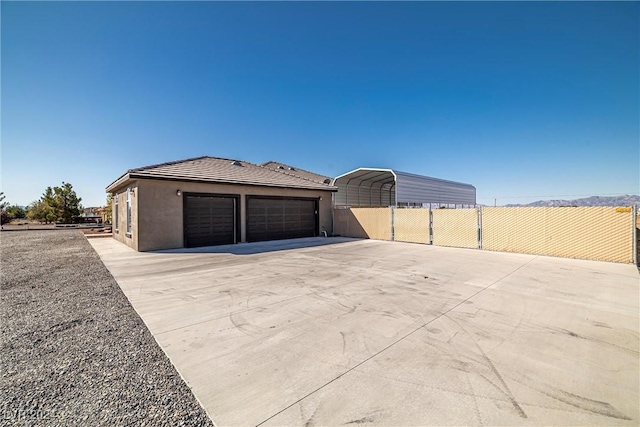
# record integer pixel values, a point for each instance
(455, 227)
(411, 225)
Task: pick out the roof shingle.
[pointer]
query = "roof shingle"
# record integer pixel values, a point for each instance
(284, 168)
(219, 170)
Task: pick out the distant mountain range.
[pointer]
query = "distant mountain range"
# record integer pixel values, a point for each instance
(626, 200)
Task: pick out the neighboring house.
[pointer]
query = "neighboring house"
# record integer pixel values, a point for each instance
(104, 212)
(90, 215)
(209, 201)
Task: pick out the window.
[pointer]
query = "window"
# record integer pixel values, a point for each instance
(115, 212)
(129, 212)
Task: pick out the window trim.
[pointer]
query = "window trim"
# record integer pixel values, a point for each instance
(117, 217)
(128, 213)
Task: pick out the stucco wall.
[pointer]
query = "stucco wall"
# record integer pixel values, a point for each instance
(159, 209)
(120, 231)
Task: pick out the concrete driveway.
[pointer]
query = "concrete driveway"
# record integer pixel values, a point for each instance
(347, 332)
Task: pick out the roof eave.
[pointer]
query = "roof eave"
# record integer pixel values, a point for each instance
(118, 182)
(219, 181)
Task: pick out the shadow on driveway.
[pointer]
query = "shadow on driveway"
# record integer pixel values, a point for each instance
(261, 247)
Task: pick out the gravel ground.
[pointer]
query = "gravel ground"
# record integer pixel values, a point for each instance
(73, 351)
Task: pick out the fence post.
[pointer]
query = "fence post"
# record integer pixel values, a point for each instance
(393, 237)
(430, 226)
(634, 216)
(479, 228)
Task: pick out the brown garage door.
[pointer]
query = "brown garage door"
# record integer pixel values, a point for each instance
(281, 218)
(209, 220)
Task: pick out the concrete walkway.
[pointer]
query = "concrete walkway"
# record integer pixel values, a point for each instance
(387, 333)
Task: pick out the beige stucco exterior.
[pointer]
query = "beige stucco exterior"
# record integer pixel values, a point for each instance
(157, 211)
(119, 219)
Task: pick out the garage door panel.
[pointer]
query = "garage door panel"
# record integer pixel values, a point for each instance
(209, 220)
(273, 218)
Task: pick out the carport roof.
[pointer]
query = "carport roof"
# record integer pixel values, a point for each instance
(220, 170)
(388, 187)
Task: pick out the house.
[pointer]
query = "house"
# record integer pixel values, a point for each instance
(208, 201)
(90, 215)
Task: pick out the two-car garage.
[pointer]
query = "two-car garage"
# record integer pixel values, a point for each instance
(214, 219)
(209, 201)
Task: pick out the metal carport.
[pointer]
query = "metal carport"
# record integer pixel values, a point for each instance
(370, 187)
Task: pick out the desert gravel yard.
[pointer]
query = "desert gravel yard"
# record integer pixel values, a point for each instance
(341, 331)
(73, 351)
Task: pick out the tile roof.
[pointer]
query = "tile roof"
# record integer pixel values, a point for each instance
(281, 167)
(219, 170)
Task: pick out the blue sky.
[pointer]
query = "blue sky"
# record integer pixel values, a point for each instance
(523, 100)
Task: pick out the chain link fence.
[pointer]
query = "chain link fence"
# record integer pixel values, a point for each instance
(412, 225)
(456, 227)
(595, 233)
(367, 223)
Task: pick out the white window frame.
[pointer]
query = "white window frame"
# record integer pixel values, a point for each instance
(115, 213)
(129, 212)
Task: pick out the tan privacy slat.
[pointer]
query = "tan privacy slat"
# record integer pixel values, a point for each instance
(372, 223)
(455, 227)
(597, 233)
(411, 225)
(513, 229)
(345, 224)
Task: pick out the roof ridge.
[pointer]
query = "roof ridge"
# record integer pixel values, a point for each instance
(157, 165)
(218, 169)
(293, 167)
(174, 162)
(294, 175)
(145, 168)
(262, 165)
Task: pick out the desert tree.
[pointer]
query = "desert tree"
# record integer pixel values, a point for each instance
(15, 212)
(57, 204)
(4, 216)
(40, 211)
(108, 214)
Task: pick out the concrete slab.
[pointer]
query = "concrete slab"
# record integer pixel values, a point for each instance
(343, 331)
